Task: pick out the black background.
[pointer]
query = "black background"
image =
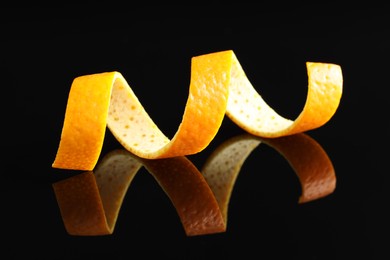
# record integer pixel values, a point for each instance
(44, 49)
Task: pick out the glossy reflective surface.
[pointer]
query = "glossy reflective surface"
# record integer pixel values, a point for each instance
(43, 50)
(90, 202)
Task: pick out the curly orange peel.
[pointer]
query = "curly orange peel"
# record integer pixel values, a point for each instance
(218, 86)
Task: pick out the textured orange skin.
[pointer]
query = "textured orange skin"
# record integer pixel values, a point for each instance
(212, 76)
(88, 103)
(85, 122)
(323, 97)
(206, 104)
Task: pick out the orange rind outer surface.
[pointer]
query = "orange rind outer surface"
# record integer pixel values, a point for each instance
(218, 87)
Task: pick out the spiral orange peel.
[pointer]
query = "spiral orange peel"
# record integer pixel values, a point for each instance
(218, 86)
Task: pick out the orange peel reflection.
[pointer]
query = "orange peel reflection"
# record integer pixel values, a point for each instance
(80, 205)
(309, 160)
(90, 202)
